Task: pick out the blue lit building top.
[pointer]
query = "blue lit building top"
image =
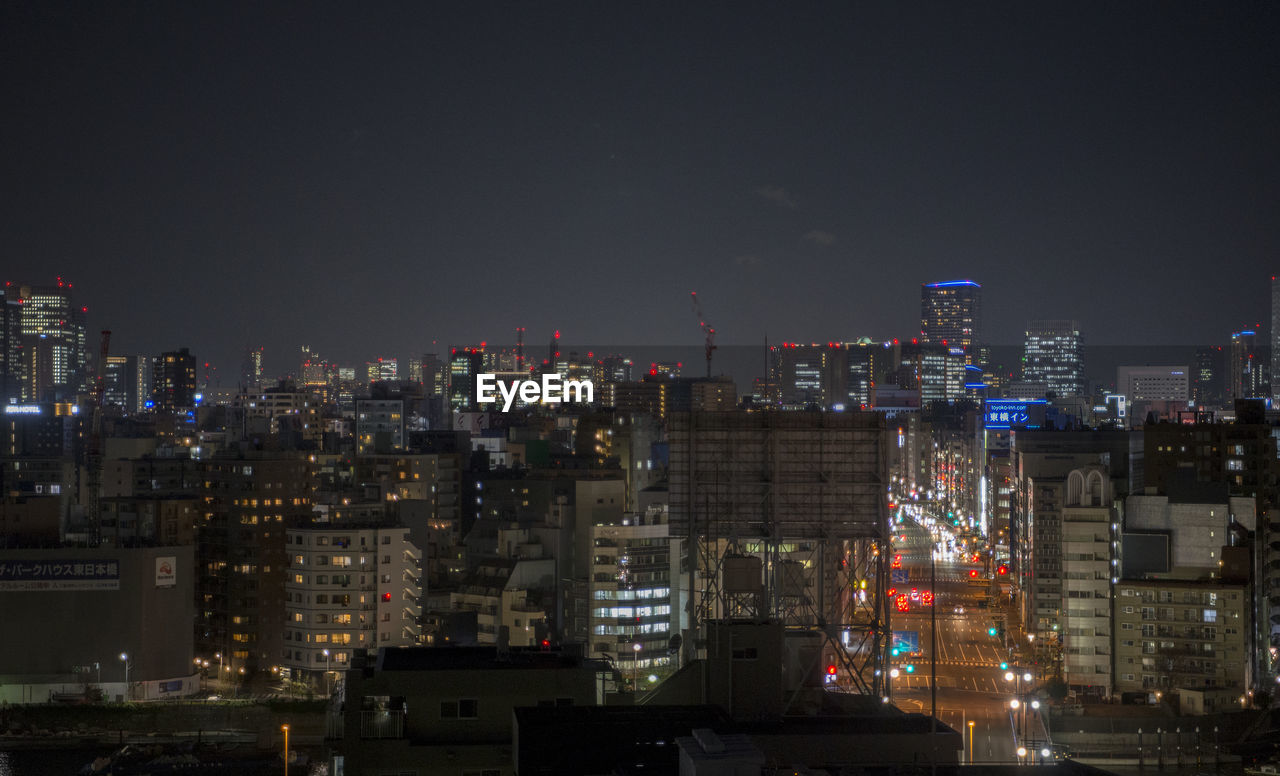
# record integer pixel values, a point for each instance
(948, 283)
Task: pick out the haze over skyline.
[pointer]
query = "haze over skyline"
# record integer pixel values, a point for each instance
(366, 183)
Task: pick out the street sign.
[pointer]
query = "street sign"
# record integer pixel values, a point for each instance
(906, 642)
(899, 576)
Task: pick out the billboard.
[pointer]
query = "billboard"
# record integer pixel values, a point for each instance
(166, 571)
(56, 575)
(1013, 413)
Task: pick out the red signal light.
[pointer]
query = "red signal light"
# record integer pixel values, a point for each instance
(1002, 570)
(973, 573)
(386, 596)
(831, 670)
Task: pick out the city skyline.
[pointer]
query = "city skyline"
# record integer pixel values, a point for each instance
(451, 174)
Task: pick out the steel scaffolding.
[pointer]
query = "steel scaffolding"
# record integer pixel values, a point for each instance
(786, 518)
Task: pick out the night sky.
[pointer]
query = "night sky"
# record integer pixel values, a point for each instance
(368, 178)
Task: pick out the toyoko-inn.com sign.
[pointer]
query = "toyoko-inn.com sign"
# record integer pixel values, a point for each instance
(551, 389)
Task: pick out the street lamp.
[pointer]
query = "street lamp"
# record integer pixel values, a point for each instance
(635, 664)
(1022, 752)
(124, 658)
(219, 656)
(325, 652)
(285, 728)
(971, 742)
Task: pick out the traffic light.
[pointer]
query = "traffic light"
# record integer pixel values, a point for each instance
(911, 669)
(894, 652)
(1002, 570)
(991, 631)
(831, 670)
(1004, 666)
(973, 573)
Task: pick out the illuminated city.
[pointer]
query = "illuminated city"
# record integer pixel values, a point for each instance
(539, 390)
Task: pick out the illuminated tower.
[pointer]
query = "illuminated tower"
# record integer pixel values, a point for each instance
(53, 340)
(1244, 372)
(951, 314)
(1054, 355)
(1275, 339)
(10, 347)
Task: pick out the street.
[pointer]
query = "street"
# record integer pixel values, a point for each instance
(973, 693)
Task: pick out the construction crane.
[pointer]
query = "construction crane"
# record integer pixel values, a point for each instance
(708, 333)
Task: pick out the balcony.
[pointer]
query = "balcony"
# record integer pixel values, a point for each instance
(382, 724)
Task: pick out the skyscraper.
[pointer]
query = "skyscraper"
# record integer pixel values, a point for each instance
(1207, 388)
(1244, 371)
(251, 379)
(10, 347)
(127, 383)
(951, 314)
(173, 381)
(53, 340)
(1275, 339)
(1053, 354)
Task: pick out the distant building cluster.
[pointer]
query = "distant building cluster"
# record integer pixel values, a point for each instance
(674, 555)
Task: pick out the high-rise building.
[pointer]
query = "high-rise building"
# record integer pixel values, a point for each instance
(435, 375)
(383, 370)
(53, 334)
(464, 364)
(1275, 339)
(1244, 372)
(173, 381)
(127, 383)
(1207, 389)
(805, 374)
(1053, 354)
(936, 371)
(11, 371)
(348, 587)
(251, 380)
(244, 555)
(951, 314)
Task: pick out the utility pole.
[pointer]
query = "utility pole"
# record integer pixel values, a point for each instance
(933, 660)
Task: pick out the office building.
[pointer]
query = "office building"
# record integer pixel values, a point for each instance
(465, 363)
(251, 377)
(11, 361)
(127, 383)
(1154, 383)
(1275, 339)
(1053, 355)
(53, 338)
(1245, 378)
(173, 381)
(805, 375)
(1208, 388)
(634, 611)
(951, 314)
(382, 370)
(936, 371)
